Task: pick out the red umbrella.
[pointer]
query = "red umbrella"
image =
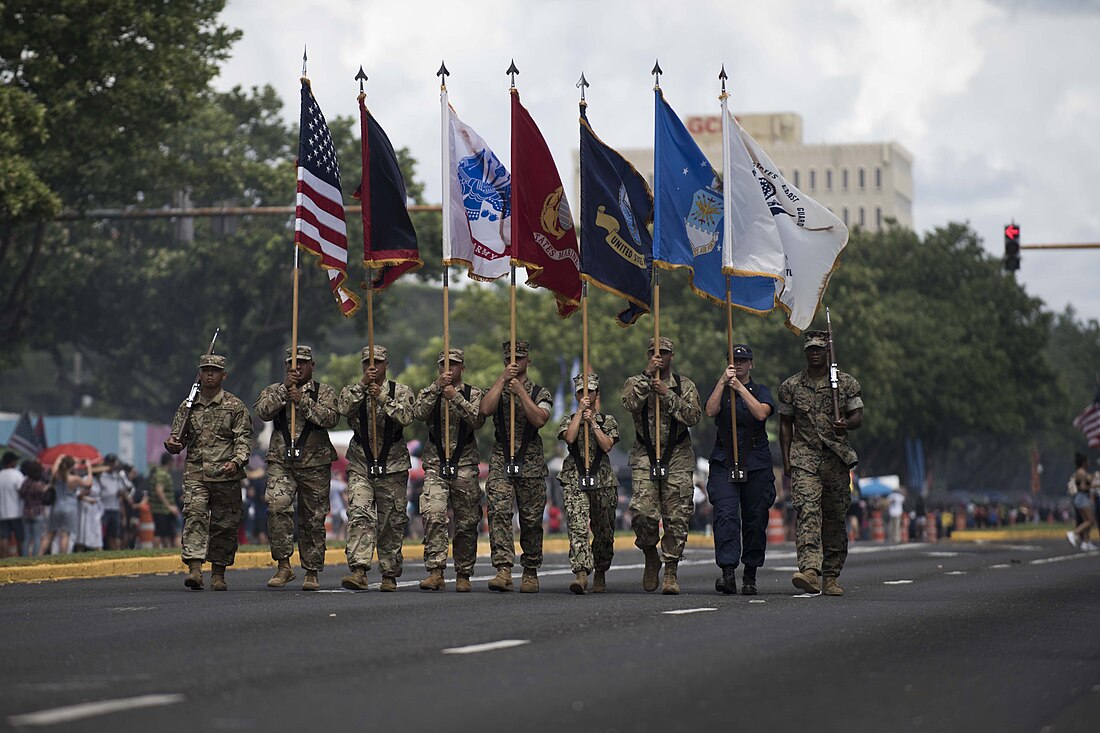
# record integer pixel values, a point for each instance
(79, 451)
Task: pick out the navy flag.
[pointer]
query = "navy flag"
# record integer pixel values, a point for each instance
(616, 207)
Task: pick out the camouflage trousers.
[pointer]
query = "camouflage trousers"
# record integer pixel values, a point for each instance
(463, 494)
(595, 509)
(211, 515)
(529, 495)
(669, 500)
(376, 516)
(821, 500)
(309, 486)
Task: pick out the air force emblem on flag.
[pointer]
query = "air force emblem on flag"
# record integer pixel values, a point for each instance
(704, 219)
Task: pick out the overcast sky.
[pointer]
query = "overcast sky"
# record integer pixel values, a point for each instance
(997, 100)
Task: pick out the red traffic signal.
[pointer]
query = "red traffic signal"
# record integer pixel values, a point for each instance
(1012, 247)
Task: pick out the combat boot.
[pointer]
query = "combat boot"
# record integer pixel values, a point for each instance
(806, 581)
(389, 584)
(748, 581)
(503, 581)
(434, 581)
(580, 583)
(599, 582)
(283, 575)
(217, 578)
(652, 567)
(462, 583)
(194, 575)
(727, 584)
(311, 582)
(670, 587)
(829, 587)
(357, 580)
(530, 581)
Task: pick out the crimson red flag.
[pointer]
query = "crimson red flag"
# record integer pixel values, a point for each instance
(543, 238)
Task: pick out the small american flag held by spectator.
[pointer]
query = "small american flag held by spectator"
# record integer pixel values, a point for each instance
(1088, 422)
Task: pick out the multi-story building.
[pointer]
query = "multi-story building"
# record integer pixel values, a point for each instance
(864, 184)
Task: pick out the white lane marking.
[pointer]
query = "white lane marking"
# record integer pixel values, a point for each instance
(92, 709)
(942, 554)
(955, 572)
(896, 582)
(806, 595)
(683, 611)
(857, 549)
(786, 569)
(121, 609)
(758, 601)
(1061, 558)
(487, 647)
(999, 566)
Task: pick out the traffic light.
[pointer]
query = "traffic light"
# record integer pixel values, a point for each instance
(1012, 247)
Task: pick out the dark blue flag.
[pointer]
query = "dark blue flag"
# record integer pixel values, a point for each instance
(616, 207)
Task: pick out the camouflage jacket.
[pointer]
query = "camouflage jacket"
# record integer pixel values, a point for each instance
(810, 404)
(569, 476)
(638, 399)
(398, 408)
(161, 476)
(462, 410)
(220, 431)
(534, 460)
(318, 406)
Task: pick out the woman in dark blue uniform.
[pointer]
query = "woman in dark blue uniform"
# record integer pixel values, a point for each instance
(740, 507)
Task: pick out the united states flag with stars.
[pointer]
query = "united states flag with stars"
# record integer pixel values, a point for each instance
(319, 226)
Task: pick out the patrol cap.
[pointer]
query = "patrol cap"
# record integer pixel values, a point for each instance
(305, 353)
(522, 349)
(212, 360)
(742, 351)
(593, 382)
(666, 344)
(381, 353)
(455, 355)
(816, 338)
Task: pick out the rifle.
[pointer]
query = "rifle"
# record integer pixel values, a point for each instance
(190, 401)
(834, 381)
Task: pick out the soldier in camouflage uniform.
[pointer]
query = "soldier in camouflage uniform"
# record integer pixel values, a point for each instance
(450, 461)
(218, 440)
(817, 457)
(656, 497)
(378, 471)
(528, 488)
(302, 480)
(589, 503)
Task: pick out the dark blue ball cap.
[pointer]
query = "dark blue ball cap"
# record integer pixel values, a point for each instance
(742, 351)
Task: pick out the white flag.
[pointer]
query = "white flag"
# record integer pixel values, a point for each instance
(477, 201)
(752, 242)
(812, 238)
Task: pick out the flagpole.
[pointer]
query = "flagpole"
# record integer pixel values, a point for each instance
(294, 316)
(655, 277)
(446, 150)
(512, 71)
(584, 316)
(736, 473)
(364, 191)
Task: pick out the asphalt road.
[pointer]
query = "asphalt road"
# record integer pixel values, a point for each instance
(948, 637)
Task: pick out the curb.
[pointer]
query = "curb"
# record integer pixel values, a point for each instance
(172, 564)
(1004, 535)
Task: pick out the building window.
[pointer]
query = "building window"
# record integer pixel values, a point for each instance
(844, 179)
(845, 217)
(813, 179)
(862, 221)
(828, 179)
(878, 218)
(796, 177)
(862, 179)
(878, 179)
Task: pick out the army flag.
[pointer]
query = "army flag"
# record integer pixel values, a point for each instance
(812, 236)
(389, 240)
(616, 208)
(688, 228)
(319, 224)
(23, 438)
(477, 201)
(544, 240)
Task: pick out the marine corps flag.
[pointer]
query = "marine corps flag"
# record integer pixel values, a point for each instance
(389, 240)
(616, 207)
(543, 239)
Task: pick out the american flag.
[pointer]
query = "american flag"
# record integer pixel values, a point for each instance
(1088, 422)
(319, 226)
(23, 438)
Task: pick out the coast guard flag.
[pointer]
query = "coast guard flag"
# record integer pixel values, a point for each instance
(1087, 422)
(616, 207)
(688, 229)
(477, 201)
(544, 240)
(319, 225)
(389, 240)
(812, 237)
